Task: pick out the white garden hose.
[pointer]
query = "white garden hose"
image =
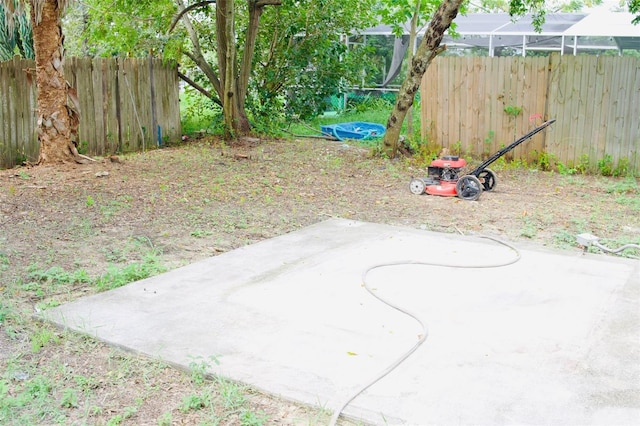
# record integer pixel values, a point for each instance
(425, 330)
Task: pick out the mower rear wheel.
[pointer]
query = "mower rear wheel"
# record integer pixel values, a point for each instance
(417, 186)
(469, 188)
(488, 179)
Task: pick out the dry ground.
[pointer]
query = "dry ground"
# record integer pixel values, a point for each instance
(167, 208)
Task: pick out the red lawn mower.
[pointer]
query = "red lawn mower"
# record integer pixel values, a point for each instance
(444, 174)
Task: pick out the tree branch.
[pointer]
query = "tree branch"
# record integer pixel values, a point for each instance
(255, 11)
(199, 88)
(188, 9)
(437, 51)
(201, 63)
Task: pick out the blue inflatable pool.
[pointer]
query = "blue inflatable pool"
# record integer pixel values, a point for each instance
(354, 130)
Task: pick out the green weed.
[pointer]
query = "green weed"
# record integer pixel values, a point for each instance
(47, 304)
(564, 239)
(57, 275)
(231, 394)
(530, 229)
(132, 249)
(574, 180)
(616, 243)
(166, 419)
(4, 312)
(333, 162)
(83, 228)
(39, 387)
(632, 202)
(112, 207)
(583, 165)
(622, 169)
(45, 282)
(626, 186)
(456, 148)
(543, 160)
(199, 367)
(20, 157)
(69, 398)
(120, 418)
(513, 110)
(115, 255)
(118, 276)
(86, 384)
(4, 262)
(28, 401)
(249, 418)
(199, 233)
(84, 147)
(605, 165)
(41, 337)
(566, 170)
(488, 141)
(195, 402)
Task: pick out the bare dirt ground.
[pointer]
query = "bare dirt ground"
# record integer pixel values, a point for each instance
(184, 204)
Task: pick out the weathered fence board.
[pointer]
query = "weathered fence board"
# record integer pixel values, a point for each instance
(17, 111)
(116, 112)
(595, 100)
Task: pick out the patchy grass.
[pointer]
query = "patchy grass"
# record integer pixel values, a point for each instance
(67, 234)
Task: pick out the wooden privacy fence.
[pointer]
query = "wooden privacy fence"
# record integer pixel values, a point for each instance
(476, 105)
(125, 105)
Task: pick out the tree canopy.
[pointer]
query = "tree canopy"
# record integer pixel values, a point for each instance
(292, 54)
(16, 36)
(634, 7)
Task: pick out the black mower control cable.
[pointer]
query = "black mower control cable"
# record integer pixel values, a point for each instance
(425, 331)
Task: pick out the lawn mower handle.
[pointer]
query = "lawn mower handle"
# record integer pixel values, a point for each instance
(506, 149)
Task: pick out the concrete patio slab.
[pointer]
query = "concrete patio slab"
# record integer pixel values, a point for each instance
(553, 338)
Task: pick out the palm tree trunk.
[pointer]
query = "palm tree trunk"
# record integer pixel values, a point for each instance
(55, 125)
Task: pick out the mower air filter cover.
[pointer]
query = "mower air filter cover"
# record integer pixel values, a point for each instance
(449, 164)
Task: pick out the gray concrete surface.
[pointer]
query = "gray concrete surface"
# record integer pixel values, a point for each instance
(552, 339)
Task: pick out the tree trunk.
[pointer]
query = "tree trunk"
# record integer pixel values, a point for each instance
(225, 23)
(242, 83)
(429, 48)
(255, 11)
(243, 126)
(56, 123)
(412, 45)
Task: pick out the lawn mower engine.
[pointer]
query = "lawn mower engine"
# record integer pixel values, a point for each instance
(444, 178)
(445, 169)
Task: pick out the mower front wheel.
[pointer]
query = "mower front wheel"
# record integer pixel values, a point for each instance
(488, 179)
(417, 186)
(469, 188)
